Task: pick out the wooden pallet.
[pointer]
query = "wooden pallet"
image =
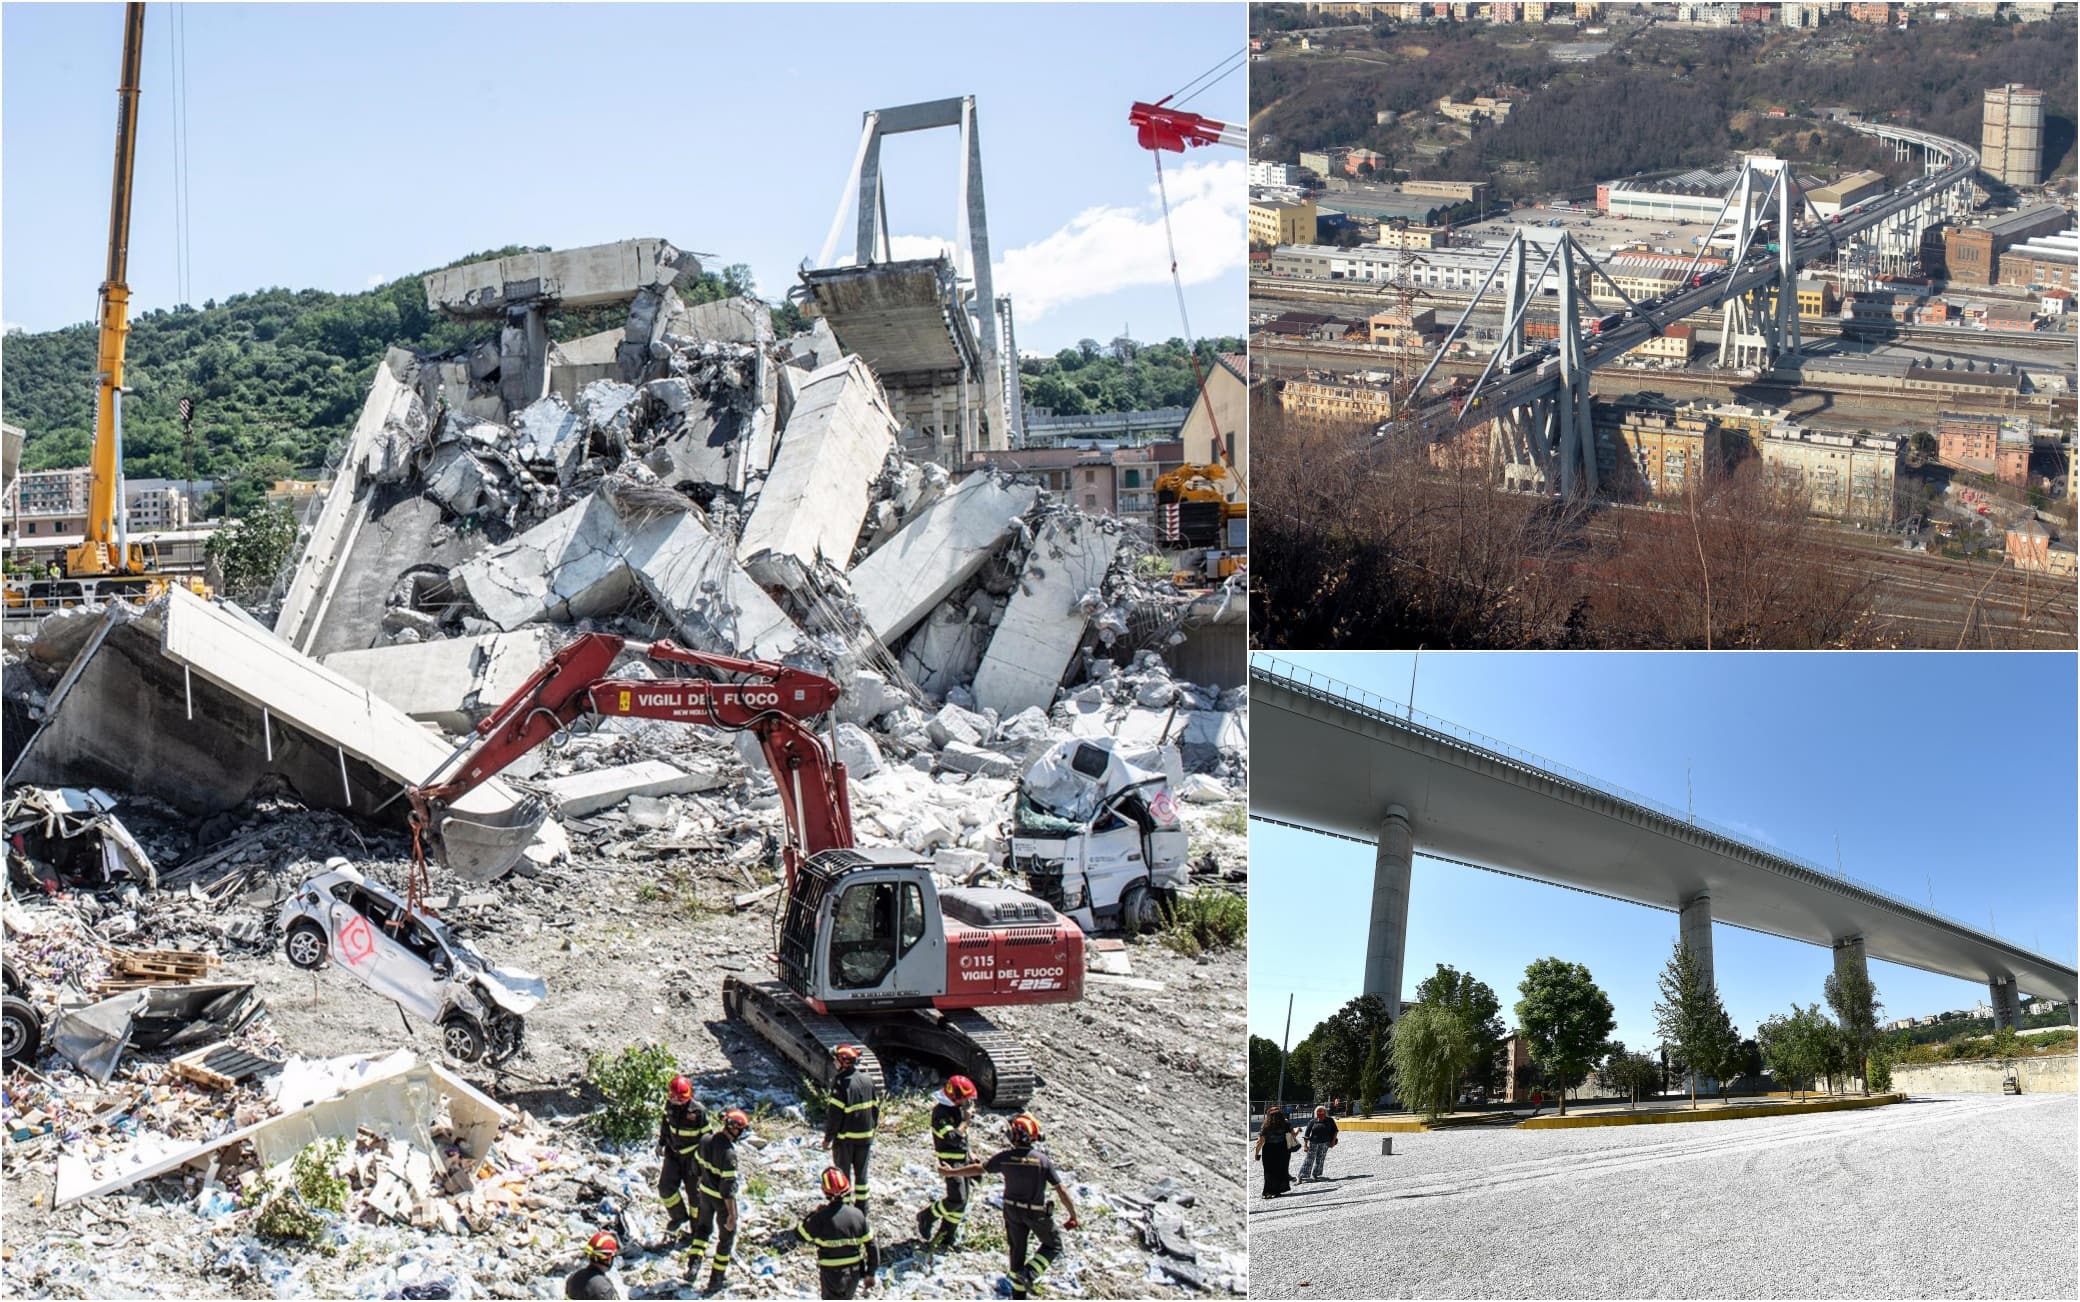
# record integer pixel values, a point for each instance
(165, 965)
(219, 1066)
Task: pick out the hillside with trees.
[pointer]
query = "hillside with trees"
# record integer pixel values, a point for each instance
(1120, 376)
(277, 376)
(1665, 98)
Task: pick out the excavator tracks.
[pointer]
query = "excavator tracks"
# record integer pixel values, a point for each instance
(972, 1044)
(803, 1036)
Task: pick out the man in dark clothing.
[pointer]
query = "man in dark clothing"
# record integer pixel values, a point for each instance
(1028, 1174)
(850, 1119)
(1321, 1137)
(939, 1225)
(595, 1279)
(846, 1258)
(716, 1210)
(679, 1134)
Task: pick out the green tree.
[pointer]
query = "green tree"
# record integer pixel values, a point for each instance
(1433, 1045)
(1855, 1004)
(1341, 1043)
(1372, 1077)
(1689, 1017)
(248, 555)
(1800, 1047)
(1628, 1071)
(1265, 1066)
(1565, 1019)
(1474, 1003)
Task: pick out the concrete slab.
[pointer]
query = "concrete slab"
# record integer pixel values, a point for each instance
(585, 277)
(588, 793)
(935, 552)
(730, 320)
(452, 682)
(945, 650)
(833, 446)
(1045, 621)
(196, 705)
(589, 559)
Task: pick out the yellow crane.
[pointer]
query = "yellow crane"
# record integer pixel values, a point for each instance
(106, 563)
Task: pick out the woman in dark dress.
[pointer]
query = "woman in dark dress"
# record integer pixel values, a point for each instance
(1275, 1150)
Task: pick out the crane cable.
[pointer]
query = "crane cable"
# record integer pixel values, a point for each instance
(1191, 341)
(177, 97)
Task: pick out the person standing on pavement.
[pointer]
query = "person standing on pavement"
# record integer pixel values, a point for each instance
(595, 1279)
(679, 1133)
(850, 1119)
(1028, 1216)
(716, 1212)
(939, 1225)
(846, 1257)
(1275, 1150)
(1321, 1137)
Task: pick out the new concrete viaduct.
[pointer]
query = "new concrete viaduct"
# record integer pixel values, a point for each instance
(1333, 759)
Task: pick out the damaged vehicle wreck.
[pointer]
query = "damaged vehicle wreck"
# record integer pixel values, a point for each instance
(360, 926)
(1099, 838)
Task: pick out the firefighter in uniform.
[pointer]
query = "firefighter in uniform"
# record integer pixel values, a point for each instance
(1028, 1173)
(846, 1258)
(850, 1119)
(939, 1225)
(716, 1211)
(595, 1279)
(679, 1134)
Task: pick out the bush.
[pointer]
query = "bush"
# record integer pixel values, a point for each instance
(290, 1212)
(633, 1082)
(1206, 919)
(315, 1174)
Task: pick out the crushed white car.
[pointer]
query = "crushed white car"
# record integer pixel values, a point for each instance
(1098, 837)
(365, 929)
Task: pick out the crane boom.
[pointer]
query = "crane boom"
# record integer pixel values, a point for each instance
(105, 549)
(772, 706)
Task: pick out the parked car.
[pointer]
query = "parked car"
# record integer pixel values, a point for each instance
(364, 928)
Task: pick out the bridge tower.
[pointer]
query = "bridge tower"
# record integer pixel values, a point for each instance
(1386, 943)
(1760, 327)
(1563, 417)
(1518, 439)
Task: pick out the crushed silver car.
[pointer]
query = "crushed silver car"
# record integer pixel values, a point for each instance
(365, 929)
(1099, 838)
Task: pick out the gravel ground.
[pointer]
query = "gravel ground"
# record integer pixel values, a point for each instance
(1128, 1078)
(1923, 1199)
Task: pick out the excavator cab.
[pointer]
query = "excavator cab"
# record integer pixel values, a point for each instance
(862, 931)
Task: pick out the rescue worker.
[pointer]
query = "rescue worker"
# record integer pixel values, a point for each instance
(850, 1119)
(939, 1225)
(716, 1209)
(595, 1279)
(679, 1133)
(1027, 1173)
(846, 1257)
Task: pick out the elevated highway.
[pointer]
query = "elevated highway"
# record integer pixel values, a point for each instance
(1336, 760)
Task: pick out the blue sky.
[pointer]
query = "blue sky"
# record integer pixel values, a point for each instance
(339, 146)
(1954, 772)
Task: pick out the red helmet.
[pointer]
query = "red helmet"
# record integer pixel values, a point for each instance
(847, 1054)
(1024, 1129)
(680, 1090)
(736, 1120)
(603, 1246)
(959, 1088)
(836, 1184)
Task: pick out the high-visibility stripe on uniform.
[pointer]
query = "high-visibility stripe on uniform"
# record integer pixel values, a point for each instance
(715, 1170)
(676, 1198)
(953, 1159)
(947, 1214)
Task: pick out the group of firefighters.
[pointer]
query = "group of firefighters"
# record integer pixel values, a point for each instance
(698, 1183)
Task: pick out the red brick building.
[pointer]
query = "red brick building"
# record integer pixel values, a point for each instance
(1962, 436)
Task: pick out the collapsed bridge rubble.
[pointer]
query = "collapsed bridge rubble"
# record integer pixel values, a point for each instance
(688, 475)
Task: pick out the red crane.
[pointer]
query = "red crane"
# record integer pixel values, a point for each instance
(871, 949)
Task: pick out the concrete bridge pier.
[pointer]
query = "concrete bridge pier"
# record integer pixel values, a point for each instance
(1697, 932)
(2007, 1007)
(1849, 955)
(1387, 943)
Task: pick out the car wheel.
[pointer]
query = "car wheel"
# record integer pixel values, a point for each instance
(461, 1038)
(1135, 915)
(21, 1031)
(305, 945)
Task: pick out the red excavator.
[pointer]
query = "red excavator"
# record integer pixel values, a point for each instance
(870, 950)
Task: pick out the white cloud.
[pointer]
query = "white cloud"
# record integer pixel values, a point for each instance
(376, 280)
(1109, 248)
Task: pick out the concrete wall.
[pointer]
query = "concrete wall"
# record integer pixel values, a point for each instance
(586, 277)
(2053, 1075)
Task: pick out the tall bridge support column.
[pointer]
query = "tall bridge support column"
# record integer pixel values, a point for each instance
(1697, 932)
(2007, 1007)
(1849, 957)
(1387, 943)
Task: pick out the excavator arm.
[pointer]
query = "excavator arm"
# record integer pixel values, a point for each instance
(768, 699)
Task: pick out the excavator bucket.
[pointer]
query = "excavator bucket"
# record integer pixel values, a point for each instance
(484, 847)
